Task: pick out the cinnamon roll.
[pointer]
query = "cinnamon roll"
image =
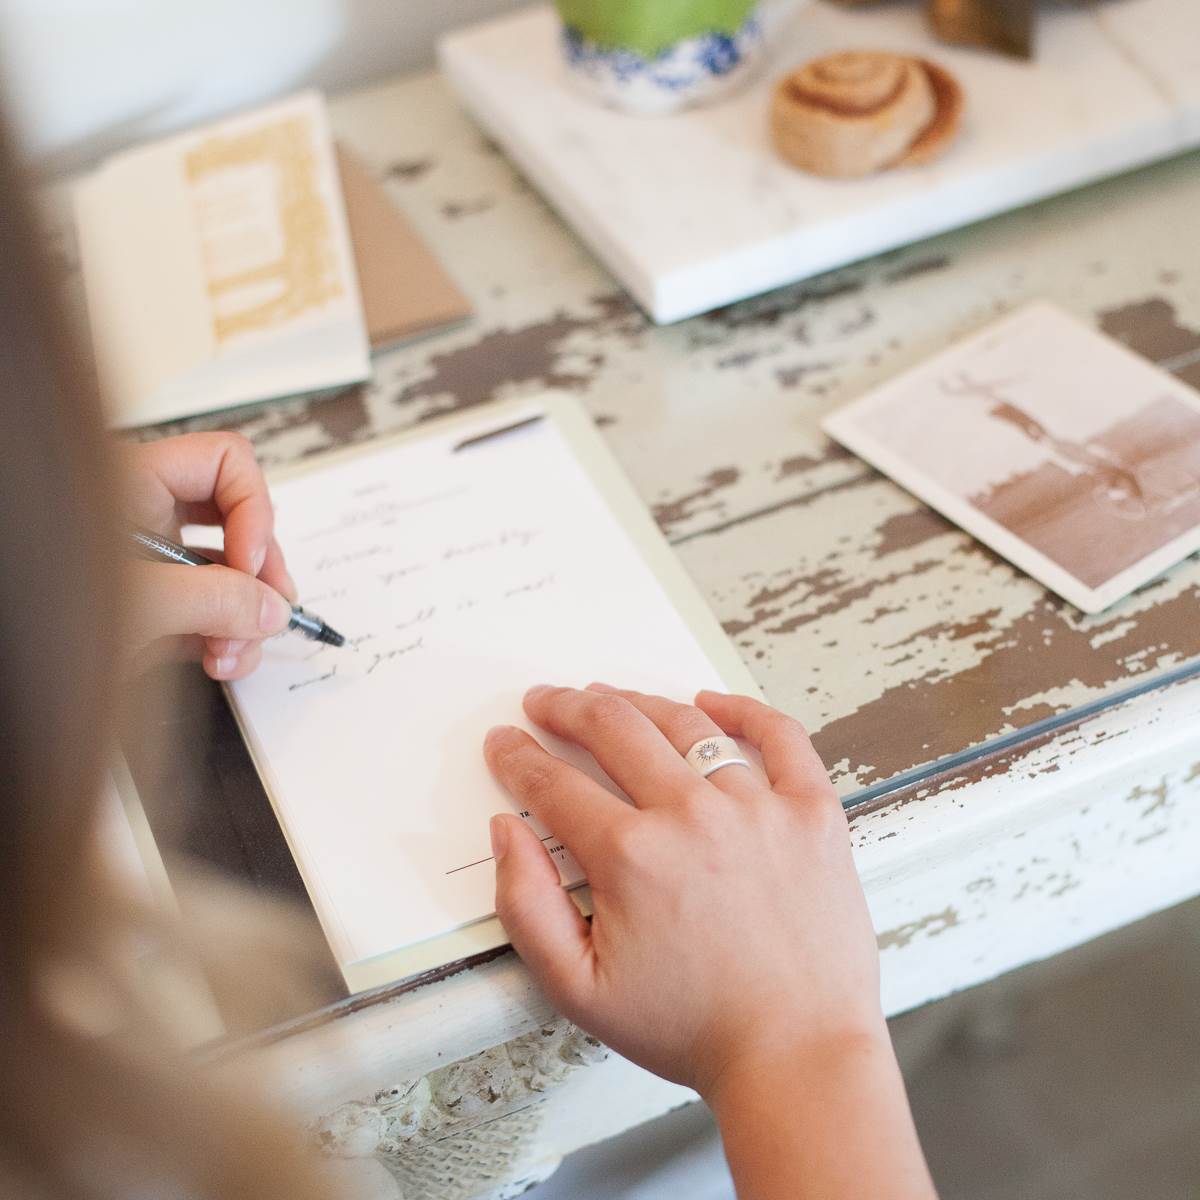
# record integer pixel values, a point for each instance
(947, 117)
(857, 112)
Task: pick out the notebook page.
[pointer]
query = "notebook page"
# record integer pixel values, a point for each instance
(459, 579)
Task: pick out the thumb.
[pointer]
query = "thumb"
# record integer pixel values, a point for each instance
(540, 918)
(214, 601)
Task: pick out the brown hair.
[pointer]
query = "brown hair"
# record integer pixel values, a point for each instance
(84, 1111)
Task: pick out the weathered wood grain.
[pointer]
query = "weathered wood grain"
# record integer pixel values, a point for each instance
(894, 636)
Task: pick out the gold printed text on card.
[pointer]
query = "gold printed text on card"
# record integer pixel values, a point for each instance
(266, 235)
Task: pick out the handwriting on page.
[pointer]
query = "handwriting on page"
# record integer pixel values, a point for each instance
(459, 579)
(438, 576)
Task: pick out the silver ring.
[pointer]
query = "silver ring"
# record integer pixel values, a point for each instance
(713, 753)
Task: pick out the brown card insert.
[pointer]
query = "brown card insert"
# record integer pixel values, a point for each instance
(405, 290)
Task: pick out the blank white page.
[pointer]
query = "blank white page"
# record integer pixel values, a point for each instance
(460, 579)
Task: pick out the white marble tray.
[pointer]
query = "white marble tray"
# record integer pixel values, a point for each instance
(695, 210)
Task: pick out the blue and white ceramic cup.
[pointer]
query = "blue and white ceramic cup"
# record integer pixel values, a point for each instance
(693, 70)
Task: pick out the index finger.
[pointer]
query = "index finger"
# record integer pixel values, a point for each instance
(630, 748)
(220, 469)
(576, 809)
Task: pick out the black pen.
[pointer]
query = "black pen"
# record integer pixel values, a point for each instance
(160, 549)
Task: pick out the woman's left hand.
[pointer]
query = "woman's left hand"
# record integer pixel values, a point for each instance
(729, 924)
(219, 614)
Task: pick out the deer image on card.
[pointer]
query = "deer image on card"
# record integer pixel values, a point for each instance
(1059, 448)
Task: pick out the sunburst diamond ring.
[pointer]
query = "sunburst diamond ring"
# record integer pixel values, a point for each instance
(713, 753)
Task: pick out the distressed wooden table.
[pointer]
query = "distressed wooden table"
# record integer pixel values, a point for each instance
(896, 638)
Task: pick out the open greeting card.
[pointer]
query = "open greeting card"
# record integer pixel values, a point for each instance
(464, 563)
(219, 268)
(247, 260)
(1057, 447)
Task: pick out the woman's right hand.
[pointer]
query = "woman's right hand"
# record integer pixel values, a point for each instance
(220, 615)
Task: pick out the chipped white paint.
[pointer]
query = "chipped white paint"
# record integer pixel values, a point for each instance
(1073, 838)
(751, 492)
(890, 634)
(1063, 842)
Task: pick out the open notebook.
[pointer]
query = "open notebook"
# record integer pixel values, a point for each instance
(462, 568)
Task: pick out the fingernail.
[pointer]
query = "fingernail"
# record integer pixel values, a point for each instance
(224, 666)
(495, 734)
(600, 687)
(275, 613)
(257, 559)
(498, 829)
(537, 690)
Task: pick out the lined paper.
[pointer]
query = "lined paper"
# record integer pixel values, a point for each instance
(460, 578)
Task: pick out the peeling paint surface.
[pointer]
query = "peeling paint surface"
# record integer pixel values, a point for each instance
(1035, 850)
(895, 637)
(892, 635)
(929, 926)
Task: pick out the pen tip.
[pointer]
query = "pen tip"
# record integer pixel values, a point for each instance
(331, 636)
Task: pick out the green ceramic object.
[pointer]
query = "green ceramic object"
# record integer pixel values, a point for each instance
(651, 26)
